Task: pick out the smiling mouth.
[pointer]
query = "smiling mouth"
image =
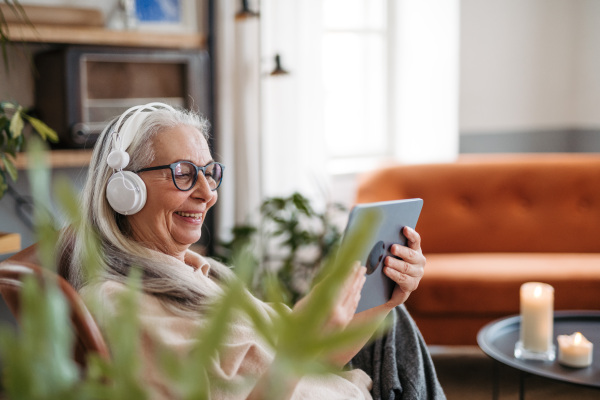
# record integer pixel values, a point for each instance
(197, 216)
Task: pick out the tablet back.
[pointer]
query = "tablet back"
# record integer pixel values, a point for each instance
(386, 221)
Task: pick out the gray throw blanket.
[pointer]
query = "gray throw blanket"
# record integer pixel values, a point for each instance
(399, 363)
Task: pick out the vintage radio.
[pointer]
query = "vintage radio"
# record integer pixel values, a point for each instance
(79, 90)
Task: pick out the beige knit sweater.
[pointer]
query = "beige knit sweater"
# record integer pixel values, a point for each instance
(244, 357)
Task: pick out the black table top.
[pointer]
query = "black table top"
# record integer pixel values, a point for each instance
(498, 338)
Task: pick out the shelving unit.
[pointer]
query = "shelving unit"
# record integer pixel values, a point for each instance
(9, 242)
(95, 36)
(103, 37)
(60, 159)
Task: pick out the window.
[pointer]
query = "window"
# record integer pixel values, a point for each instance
(355, 82)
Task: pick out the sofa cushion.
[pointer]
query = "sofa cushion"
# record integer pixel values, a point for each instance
(547, 203)
(487, 284)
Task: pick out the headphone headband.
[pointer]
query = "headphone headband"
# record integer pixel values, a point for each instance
(124, 131)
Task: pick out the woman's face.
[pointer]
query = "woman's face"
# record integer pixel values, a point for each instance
(172, 219)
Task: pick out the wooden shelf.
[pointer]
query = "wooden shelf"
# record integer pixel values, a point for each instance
(60, 159)
(9, 242)
(101, 36)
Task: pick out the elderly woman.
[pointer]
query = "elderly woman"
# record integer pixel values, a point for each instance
(151, 182)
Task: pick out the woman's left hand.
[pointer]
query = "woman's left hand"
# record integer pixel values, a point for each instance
(406, 270)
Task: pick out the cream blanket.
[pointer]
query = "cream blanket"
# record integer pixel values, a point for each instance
(244, 356)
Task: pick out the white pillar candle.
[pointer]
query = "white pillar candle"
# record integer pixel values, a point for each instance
(537, 316)
(574, 350)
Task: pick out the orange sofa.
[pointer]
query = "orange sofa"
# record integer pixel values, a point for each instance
(492, 222)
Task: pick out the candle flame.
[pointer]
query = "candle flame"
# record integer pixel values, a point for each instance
(577, 338)
(537, 292)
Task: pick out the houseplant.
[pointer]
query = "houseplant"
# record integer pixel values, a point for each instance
(39, 364)
(289, 242)
(15, 119)
(13, 122)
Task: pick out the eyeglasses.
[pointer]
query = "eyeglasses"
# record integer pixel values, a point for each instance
(185, 174)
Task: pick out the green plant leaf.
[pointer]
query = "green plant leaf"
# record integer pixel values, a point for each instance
(7, 105)
(3, 184)
(9, 166)
(39, 364)
(302, 204)
(44, 130)
(124, 334)
(16, 124)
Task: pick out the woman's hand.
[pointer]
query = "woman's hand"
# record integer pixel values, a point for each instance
(345, 304)
(406, 270)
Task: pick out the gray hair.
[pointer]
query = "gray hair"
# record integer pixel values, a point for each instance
(162, 275)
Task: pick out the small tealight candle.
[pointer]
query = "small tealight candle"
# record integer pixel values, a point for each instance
(574, 350)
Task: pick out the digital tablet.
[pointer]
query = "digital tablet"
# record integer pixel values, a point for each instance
(384, 222)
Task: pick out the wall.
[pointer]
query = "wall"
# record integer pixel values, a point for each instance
(587, 79)
(528, 80)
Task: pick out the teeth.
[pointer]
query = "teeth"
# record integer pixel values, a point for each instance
(184, 214)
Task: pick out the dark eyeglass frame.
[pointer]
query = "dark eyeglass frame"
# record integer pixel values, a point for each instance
(174, 165)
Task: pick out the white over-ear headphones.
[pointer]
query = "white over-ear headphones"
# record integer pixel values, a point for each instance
(126, 191)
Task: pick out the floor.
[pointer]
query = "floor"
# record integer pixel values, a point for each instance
(466, 373)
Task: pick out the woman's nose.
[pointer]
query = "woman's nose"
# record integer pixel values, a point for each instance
(202, 189)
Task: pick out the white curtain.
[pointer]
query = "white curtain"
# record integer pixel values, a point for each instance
(268, 126)
(294, 152)
(237, 106)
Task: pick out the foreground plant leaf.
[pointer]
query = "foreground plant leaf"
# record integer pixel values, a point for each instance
(39, 362)
(38, 358)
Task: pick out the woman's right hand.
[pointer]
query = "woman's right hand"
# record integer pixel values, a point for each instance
(344, 306)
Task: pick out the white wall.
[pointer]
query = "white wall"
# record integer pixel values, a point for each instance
(425, 54)
(529, 65)
(587, 77)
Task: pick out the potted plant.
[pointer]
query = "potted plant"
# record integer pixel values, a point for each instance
(39, 364)
(289, 242)
(15, 122)
(14, 119)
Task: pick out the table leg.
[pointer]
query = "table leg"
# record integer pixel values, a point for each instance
(522, 376)
(495, 380)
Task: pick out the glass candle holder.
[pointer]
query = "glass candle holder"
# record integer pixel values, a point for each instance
(537, 322)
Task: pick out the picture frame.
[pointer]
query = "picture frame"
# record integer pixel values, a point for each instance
(166, 15)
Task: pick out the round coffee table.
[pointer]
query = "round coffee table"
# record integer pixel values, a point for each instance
(497, 339)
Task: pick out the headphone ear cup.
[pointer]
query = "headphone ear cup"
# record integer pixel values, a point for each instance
(117, 159)
(126, 192)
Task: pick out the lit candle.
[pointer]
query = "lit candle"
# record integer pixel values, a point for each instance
(537, 316)
(574, 350)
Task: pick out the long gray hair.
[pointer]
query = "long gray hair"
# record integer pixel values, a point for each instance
(162, 275)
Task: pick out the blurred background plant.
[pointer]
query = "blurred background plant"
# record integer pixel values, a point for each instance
(38, 357)
(15, 120)
(289, 242)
